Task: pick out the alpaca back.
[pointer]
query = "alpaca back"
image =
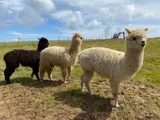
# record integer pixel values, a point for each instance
(101, 60)
(55, 56)
(24, 57)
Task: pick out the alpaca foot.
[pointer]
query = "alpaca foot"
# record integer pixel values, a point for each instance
(114, 104)
(82, 89)
(50, 78)
(68, 78)
(65, 82)
(117, 105)
(8, 82)
(41, 81)
(90, 93)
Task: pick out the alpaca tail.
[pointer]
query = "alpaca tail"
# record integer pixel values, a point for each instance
(43, 43)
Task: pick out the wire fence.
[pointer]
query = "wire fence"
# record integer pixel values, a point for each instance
(19, 39)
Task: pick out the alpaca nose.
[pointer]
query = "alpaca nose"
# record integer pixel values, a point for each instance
(143, 43)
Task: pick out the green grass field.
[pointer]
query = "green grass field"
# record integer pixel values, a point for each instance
(27, 99)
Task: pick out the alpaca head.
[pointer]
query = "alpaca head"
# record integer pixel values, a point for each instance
(43, 43)
(136, 39)
(76, 39)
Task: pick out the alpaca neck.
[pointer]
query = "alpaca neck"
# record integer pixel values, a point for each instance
(73, 52)
(40, 48)
(133, 60)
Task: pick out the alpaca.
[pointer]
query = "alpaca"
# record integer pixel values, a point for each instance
(25, 58)
(115, 65)
(60, 56)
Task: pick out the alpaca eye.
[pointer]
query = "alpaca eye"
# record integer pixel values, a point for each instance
(134, 38)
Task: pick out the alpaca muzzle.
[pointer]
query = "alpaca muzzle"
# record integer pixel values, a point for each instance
(143, 43)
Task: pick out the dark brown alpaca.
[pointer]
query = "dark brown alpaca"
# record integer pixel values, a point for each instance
(25, 58)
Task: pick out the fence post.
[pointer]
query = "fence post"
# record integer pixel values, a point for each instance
(58, 40)
(18, 40)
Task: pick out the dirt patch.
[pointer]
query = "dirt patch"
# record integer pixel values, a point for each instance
(22, 101)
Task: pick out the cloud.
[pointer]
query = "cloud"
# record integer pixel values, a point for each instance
(131, 10)
(24, 35)
(94, 24)
(42, 5)
(106, 14)
(73, 20)
(24, 16)
(111, 30)
(92, 18)
(24, 13)
(15, 33)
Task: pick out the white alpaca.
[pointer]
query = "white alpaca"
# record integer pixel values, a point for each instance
(115, 65)
(60, 56)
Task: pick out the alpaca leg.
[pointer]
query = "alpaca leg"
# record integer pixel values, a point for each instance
(11, 65)
(35, 71)
(41, 71)
(8, 72)
(82, 84)
(86, 79)
(41, 75)
(32, 75)
(115, 91)
(49, 72)
(37, 76)
(64, 73)
(69, 71)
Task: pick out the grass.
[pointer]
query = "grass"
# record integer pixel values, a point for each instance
(28, 99)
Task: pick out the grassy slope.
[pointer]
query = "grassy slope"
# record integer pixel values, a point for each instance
(28, 99)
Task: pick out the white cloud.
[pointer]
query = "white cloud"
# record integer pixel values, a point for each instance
(94, 24)
(131, 10)
(42, 5)
(111, 30)
(149, 15)
(111, 17)
(28, 17)
(98, 17)
(73, 20)
(15, 33)
(22, 35)
(106, 14)
(19, 34)
(25, 13)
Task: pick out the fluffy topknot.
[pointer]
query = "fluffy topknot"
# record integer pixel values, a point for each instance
(77, 35)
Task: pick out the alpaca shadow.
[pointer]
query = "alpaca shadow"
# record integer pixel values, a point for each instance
(2, 83)
(95, 106)
(29, 82)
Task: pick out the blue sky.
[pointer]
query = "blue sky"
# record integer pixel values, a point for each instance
(30, 19)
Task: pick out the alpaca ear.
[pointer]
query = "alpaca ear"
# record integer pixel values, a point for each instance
(74, 34)
(128, 31)
(145, 29)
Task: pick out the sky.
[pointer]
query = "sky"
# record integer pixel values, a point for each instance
(53, 19)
